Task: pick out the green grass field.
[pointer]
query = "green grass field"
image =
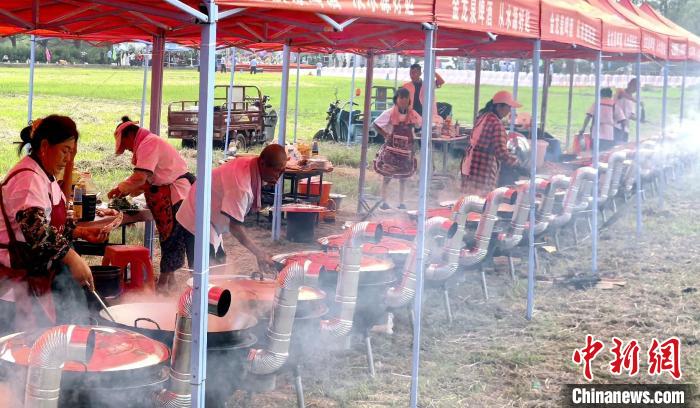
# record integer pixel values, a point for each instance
(97, 97)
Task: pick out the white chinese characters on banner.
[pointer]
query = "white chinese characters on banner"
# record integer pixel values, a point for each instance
(586, 33)
(511, 18)
(614, 39)
(385, 6)
(489, 13)
(396, 7)
(332, 4)
(561, 25)
(678, 49)
(622, 40)
(649, 43)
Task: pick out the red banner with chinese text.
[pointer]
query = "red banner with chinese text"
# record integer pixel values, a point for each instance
(519, 18)
(563, 22)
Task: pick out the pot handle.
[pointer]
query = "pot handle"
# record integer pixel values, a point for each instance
(146, 319)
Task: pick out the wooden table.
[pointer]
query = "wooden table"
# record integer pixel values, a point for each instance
(294, 175)
(143, 215)
(446, 142)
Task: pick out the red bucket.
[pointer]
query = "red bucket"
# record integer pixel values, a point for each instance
(324, 192)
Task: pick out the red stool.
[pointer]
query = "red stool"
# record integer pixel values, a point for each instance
(137, 258)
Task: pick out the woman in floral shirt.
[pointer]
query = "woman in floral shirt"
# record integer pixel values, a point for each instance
(39, 270)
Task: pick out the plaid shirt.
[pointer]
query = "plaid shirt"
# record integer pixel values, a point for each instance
(487, 148)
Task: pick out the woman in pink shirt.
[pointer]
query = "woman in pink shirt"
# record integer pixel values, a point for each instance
(162, 175)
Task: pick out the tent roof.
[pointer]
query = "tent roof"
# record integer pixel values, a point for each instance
(677, 46)
(693, 40)
(569, 29)
(565, 22)
(416, 11)
(618, 36)
(102, 20)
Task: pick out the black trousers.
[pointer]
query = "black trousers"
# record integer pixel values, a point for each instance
(216, 257)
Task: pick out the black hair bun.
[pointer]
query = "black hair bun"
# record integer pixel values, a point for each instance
(125, 119)
(26, 134)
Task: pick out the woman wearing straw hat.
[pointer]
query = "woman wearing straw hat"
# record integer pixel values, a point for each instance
(161, 174)
(487, 149)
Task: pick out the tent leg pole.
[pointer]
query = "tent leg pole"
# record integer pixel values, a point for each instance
(664, 115)
(637, 131)
(355, 60)
(296, 98)
(396, 73)
(157, 82)
(477, 87)
(545, 94)
(32, 64)
(423, 184)
(144, 88)
(281, 137)
(685, 72)
(365, 129)
(516, 79)
(230, 101)
(596, 158)
(203, 201)
(572, 69)
(533, 171)
(156, 106)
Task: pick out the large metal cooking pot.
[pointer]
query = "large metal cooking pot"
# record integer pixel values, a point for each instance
(125, 370)
(376, 275)
(228, 341)
(157, 321)
(255, 295)
(519, 146)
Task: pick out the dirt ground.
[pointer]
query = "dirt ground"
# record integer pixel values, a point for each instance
(491, 356)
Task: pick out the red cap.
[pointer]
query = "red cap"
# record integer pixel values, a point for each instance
(507, 98)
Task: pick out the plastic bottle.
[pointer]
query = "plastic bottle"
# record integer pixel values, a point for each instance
(89, 186)
(314, 149)
(78, 201)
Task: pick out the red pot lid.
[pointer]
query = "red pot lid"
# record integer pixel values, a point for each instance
(387, 246)
(115, 350)
(331, 260)
(303, 208)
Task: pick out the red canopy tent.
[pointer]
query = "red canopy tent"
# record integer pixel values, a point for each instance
(677, 45)
(693, 40)
(653, 43)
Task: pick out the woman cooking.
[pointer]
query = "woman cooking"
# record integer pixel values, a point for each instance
(161, 174)
(39, 271)
(487, 149)
(395, 159)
